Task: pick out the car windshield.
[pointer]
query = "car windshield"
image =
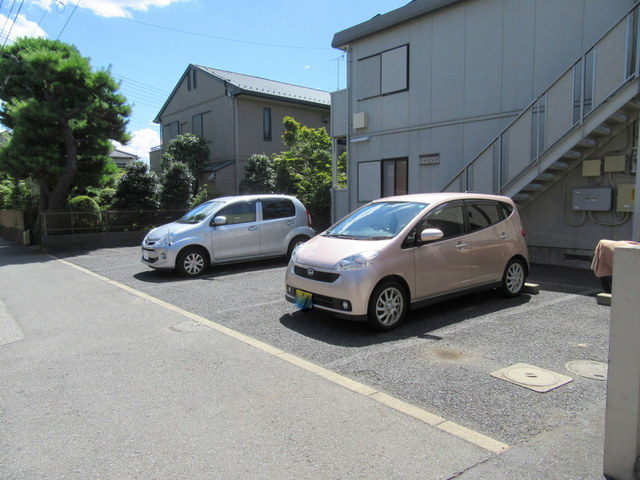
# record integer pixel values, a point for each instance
(376, 221)
(201, 212)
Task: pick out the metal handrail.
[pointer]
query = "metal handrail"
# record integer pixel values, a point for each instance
(543, 96)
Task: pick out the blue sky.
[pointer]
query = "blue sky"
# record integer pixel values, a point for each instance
(149, 43)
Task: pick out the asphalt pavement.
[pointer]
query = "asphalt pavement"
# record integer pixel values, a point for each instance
(102, 380)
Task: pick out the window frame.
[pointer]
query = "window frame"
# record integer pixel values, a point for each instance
(267, 125)
(386, 73)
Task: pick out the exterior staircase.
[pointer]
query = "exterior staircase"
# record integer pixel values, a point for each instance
(576, 118)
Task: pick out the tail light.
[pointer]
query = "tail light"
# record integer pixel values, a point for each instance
(309, 219)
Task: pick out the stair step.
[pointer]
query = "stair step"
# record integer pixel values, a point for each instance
(635, 103)
(562, 166)
(619, 117)
(545, 177)
(587, 143)
(533, 187)
(602, 130)
(573, 154)
(521, 197)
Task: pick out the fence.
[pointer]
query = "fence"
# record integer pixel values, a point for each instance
(65, 223)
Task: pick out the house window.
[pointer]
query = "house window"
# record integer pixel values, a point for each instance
(171, 130)
(197, 125)
(384, 73)
(194, 80)
(394, 177)
(266, 124)
(191, 80)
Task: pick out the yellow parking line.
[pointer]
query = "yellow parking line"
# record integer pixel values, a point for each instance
(418, 413)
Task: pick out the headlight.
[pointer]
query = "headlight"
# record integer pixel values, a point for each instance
(358, 261)
(294, 252)
(165, 241)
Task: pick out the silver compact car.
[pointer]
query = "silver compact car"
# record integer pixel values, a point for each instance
(228, 230)
(410, 250)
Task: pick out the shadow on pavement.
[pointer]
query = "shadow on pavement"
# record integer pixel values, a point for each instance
(325, 327)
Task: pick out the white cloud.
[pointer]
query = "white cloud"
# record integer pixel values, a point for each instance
(122, 8)
(141, 143)
(20, 28)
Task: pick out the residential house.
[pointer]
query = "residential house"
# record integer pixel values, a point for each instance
(536, 100)
(122, 159)
(238, 116)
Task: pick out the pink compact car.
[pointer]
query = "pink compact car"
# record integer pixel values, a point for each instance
(410, 251)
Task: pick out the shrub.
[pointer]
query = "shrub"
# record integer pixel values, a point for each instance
(87, 212)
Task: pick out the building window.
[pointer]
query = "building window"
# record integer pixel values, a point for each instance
(197, 125)
(384, 73)
(394, 177)
(194, 79)
(382, 179)
(171, 131)
(266, 124)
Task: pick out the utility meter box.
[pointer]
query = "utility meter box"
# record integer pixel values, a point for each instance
(596, 199)
(626, 197)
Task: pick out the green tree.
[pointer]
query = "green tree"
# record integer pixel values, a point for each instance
(62, 115)
(137, 189)
(260, 175)
(304, 170)
(177, 187)
(190, 149)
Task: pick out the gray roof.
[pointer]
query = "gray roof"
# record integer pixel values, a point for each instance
(411, 10)
(122, 154)
(269, 88)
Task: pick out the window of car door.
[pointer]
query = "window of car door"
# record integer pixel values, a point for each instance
(488, 242)
(443, 265)
(278, 218)
(240, 235)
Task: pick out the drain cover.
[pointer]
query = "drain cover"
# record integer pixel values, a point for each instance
(533, 378)
(588, 369)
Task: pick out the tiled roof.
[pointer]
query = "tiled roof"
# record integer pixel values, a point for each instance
(121, 154)
(271, 88)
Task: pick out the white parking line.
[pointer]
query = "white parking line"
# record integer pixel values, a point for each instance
(418, 413)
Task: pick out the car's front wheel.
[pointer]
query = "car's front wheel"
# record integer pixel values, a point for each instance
(387, 306)
(192, 262)
(513, 278)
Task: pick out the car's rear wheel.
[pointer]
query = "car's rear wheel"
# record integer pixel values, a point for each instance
(387, 306)
(192, 262)
(513, 278)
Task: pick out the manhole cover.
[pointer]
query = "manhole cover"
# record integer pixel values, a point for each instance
(533, 378)
(588, 369)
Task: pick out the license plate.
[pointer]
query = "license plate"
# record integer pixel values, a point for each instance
(145, 255)
(304, 300)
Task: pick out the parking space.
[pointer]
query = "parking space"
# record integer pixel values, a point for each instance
(441, 359)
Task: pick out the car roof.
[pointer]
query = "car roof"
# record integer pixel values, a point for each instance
(438, 197)
(233, 198)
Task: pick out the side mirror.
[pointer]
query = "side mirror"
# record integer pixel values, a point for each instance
(431, 235)
(221, 220)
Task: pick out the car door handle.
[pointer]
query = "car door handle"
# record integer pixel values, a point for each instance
(290, 222)
(504, 236)
(462, 245)
(253, 228)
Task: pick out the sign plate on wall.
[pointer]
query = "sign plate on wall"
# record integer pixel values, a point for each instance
(429, 159)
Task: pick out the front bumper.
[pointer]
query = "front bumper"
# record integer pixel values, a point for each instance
(160, 258)
(344, 293)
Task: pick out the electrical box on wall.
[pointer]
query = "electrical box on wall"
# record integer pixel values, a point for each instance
(596, 199)
(591, 168)
(625, 198)
(615, 163)
(359, 120)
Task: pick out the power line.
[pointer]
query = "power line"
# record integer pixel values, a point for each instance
(198, 34)
(65, 23)
(15, 19)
